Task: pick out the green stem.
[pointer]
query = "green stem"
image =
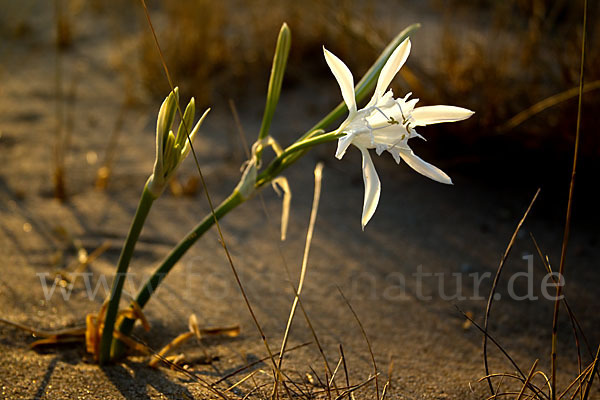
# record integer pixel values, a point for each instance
(161, 272)
(291, 154)
(287, 158)
(112, 310)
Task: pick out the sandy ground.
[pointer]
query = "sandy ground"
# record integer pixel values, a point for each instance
(419, 226)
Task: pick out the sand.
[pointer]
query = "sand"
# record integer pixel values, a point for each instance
(419, 226)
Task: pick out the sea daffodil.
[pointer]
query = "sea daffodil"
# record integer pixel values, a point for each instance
(386, 123)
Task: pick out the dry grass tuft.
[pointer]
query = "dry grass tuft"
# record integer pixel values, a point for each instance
(527, 53)
(223, 49)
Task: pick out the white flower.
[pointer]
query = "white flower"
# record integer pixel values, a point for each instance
(171, 150)
(386, 123)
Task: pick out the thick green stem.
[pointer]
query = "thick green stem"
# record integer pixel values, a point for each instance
(287, 158)
(115, 295)
(291, 154)
(161, 272)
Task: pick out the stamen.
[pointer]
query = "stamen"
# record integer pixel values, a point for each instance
(393, 146)
(404, 119)
(382, 113)
(390, 120)
(371, 129)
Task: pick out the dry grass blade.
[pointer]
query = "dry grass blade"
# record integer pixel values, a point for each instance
(321, 384)
(59, 142)
(290, 393)
(328, 387)
(240, 129)
(546, 380)
(295, 385)
(244, 379)
(311, 227)
(137, 313)
(252, 364)
(578, 379)
(78, 330)
(300, 303)
(56, 340)
(229, 331)
(488, 308)
(501, 375)
(364, 333)
(174, 366)
(94, 330)
(508, 357)
(134, 345)
(385, 388)
(349, 391)
(506, 394)
(527, 380)
(345, 369)
(563, 252)
(318, 344)
(588, 386)
(388, 383)
(254, 389)
(574, 321)
(498, 387)
(279, 248)
(337, 367)
(83, 261)
(178, 341)
(545, 104)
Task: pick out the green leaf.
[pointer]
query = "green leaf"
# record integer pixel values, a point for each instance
(282, 51)
(166, 115)
(186, 126)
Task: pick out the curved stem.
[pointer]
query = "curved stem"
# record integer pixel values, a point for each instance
(169, 262)
(137, 224)
(292, 153)
(287, 158)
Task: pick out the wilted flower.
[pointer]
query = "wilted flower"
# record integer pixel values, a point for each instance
(171, 150)
(386, 123)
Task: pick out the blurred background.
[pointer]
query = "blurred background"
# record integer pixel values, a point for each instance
(80, 87)
(497, 58)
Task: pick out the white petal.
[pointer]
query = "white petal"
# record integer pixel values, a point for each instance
(392, 66)
(342, 146)
(408, 106)
(423, 167)
(380, 148)
(435, 114)
(396, 154)
(372, 187)
(344, 78)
